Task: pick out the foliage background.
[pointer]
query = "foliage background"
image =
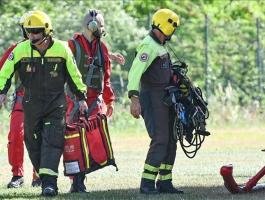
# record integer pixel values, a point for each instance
(234, 80)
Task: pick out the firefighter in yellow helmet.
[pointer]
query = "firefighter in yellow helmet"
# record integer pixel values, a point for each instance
(44, 65)
(151, 69)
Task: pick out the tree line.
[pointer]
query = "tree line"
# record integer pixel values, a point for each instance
(221, 41)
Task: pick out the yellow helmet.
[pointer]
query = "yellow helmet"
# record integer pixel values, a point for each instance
(24, 17)
(166, 21)
(38, 19)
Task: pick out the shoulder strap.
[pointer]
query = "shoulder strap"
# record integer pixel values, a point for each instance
(100, 56)
(77, 52)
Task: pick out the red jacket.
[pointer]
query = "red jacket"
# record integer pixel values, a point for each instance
(108, 95)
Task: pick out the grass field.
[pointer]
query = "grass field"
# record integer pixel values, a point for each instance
(198, 177)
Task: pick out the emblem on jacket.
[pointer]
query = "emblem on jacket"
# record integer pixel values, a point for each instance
(11, 56)
(54, 73)
(144, 57)
(30, 68)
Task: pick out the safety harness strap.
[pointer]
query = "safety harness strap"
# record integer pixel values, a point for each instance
(78, 53)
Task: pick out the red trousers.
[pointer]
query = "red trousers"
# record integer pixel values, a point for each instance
(16, 138)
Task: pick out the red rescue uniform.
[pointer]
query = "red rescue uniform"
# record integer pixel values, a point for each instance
(16, 132)
(88, 51)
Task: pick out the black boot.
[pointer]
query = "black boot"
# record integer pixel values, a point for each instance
(49, 186)
(167, 187)
(78, 183)
(16, 182)
(147, 187)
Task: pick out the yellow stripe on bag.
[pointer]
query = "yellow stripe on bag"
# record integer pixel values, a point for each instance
(108, 140)
(105, 162)
(75, 135)
(86, 151)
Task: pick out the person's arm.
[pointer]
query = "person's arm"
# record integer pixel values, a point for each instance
(6, 54)
(108, 94)
(143, 59)
(7, 69)
(117, 57)
(71, 45)
(74, 80)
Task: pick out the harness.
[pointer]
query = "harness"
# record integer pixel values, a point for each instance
(92, 73)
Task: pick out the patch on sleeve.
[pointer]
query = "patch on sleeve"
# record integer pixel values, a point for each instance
(144, 57)
(11, 56)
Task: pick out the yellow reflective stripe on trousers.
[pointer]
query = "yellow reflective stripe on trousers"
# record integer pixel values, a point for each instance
(75, 135)
(166, 167)
(107, 138)
(86, 151)
(149, 176)
(165, 177)
(150, 168)
(47, 171)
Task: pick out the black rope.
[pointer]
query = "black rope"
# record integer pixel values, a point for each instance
(189, 149)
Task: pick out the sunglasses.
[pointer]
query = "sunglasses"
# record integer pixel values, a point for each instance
(34, 30)
(175, 25)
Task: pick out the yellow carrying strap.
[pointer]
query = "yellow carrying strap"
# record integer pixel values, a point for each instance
(85, 147)
(106, 134)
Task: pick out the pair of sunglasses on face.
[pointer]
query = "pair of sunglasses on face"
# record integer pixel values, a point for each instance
(175, 25)
(34, 30)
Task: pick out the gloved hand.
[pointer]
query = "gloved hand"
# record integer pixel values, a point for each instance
(2, 100)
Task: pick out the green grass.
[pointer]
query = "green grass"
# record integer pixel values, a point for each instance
(198, 177)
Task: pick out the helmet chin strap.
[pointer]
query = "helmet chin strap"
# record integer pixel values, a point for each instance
(39, 41)
(43, 40)
(169, 37)
(34, 41)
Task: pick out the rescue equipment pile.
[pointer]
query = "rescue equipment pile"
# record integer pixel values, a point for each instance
(190, 111)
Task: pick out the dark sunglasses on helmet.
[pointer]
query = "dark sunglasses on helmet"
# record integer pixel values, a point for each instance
(34, 30)
(175, 25)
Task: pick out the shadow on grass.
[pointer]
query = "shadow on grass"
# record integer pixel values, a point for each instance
(194, 193)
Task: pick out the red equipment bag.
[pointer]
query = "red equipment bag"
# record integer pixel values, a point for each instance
(87, 146)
